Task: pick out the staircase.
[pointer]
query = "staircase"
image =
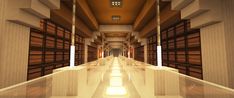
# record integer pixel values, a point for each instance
(30, 12)
(201, 12)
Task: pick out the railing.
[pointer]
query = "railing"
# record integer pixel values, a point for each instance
(148, 80)
(156, 82)
(64, 82)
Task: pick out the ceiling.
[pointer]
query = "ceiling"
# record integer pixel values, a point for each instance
(80, 13)
(116, 34)
(103, 12)
(128, 12)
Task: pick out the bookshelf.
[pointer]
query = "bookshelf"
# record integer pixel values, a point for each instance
(152, 49)
(92, 53)
(79, 46)
(139, 53)
(106, 53)
(126, 53)
(131, 52)
(181, 49)
(49, 48)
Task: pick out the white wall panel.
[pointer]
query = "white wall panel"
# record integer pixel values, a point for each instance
(218, 48)
(214, 54)
(228, 9)
(14, 43)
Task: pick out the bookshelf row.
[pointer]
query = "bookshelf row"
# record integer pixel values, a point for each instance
(139, 53)
(181, 49)
(50, 49)
(92, 53)
(79, 50)
(106, 53)
(126, 53)
(152, 49)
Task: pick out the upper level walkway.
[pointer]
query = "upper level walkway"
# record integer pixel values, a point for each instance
(116, 77)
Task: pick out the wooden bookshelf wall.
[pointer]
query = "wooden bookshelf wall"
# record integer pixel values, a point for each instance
(139, 53)
(50, 49)
(152, 49)
(131, 52)
(79, 45)
(126, 53)
(105, 53)
(92, 53)
(182, 49)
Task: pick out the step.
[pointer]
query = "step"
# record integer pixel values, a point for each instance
(19, 16)
(52, 4)
(36, 7)
(25, 18)
(214, 15)
(205, 19)
(27, 12)
(179, 4)
(194, 9)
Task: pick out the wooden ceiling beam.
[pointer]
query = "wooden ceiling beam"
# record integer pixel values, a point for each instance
(168, 17)
(145, 15)
(63, 16)
(118, 39)
(115, 28)
(86, 14)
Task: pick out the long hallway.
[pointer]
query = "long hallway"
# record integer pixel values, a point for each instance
(116, 77)
(116, 49)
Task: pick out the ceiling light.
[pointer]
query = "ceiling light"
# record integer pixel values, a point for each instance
(115, 18)
(116, 3)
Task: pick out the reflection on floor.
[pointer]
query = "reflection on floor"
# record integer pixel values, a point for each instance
(116, 78)
(116, 84)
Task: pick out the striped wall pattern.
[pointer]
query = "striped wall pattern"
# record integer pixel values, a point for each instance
(228, 15)
(218, 48)
(214, 54)
(14, 44)
(215, 19)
